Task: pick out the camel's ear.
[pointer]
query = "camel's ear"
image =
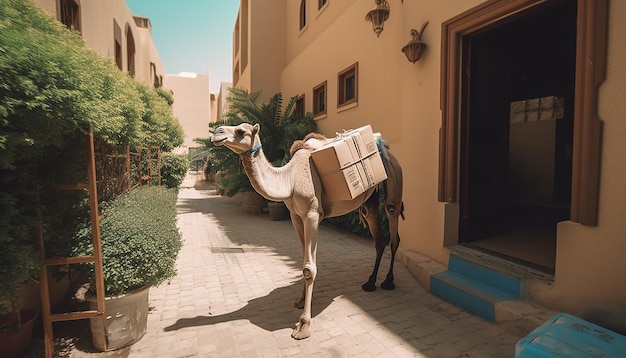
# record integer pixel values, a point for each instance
(256, 128)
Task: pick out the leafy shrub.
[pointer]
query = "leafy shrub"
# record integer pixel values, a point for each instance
(20, 263)
(173, 169)
(140, 240)
(52, 88)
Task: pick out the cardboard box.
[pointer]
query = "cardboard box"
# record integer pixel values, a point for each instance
(350, 164)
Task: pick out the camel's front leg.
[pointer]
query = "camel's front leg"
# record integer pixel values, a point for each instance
(296, 221)
(309, 272)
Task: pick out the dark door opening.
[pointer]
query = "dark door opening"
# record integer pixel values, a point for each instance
(516, 133)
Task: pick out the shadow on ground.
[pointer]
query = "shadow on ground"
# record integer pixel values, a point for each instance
(344, 263)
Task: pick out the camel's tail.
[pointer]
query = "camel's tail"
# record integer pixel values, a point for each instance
(392, 170)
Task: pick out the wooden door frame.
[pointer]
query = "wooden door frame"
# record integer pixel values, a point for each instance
(590, 73)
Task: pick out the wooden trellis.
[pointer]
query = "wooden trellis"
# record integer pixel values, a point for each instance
(47, 316)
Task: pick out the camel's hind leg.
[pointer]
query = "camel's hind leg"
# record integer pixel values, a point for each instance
(394, 208)
(393, 214)
(369, 212)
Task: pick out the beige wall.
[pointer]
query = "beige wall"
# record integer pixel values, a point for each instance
(222, 100)
(402, 101)
(192, 105)
(591, 260)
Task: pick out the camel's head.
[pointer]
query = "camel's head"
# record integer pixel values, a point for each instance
(240, 139)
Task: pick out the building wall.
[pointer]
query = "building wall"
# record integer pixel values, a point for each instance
(402, 101)
(48, 6)
(590, 260)
(192, 105)
(97, 30)
(222, 100)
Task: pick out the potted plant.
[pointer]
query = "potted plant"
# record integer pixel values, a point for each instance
(140, 243)
(281, 127)
(18, 264)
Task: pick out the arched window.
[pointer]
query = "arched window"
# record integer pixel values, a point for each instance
(130, 51)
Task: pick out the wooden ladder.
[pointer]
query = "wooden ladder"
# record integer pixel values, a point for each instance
(47, 316)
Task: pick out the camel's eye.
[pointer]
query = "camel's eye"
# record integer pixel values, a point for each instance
(240, 132)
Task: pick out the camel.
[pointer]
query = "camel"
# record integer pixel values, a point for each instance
(299, 186)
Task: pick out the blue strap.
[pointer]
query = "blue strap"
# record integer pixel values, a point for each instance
(253, 150)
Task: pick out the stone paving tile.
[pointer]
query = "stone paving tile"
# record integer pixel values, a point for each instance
(239, 274)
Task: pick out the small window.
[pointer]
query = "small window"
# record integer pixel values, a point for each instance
(302, 14)
(321, 3)
(299, 106)
(348, 86)
(117, 43)
(118, 55)
(319, 99)
(130, 52)
(70, 14)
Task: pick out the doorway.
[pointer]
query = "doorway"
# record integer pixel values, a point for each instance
(516, 131)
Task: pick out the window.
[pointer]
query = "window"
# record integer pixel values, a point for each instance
(130, 52)
(299, 106)
(321, 3)
(70, 14)
(117, 35)
(153, 73)
(302, 14)
(347, 91)
(319, 99)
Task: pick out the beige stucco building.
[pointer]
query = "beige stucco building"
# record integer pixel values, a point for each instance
(109, 28)
(509, 128)
(192, 105)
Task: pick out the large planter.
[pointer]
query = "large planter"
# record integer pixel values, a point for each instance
(125, 323)
(277, 210)
(16, 343)
(253, 203)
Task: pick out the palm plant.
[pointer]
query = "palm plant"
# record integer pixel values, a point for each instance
(280, 127)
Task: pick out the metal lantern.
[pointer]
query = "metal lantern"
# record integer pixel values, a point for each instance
(415, 48)
(378, 16)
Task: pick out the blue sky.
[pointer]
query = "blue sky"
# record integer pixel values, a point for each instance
(192, 35)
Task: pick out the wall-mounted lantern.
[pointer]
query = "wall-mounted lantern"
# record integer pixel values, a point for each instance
(378, 16)
(415, 48)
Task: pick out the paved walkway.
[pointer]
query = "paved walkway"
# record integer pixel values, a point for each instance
(239, 274)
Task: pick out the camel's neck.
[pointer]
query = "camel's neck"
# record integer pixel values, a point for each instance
(271, 182)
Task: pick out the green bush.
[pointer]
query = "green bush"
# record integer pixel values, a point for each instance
(140, 240)
(174, 167)
(20, 263)
(52, 88)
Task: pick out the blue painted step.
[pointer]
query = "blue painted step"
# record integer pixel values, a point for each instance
(473, 287)
(480, 273)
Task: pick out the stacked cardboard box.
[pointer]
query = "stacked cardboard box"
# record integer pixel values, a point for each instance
(350, 164)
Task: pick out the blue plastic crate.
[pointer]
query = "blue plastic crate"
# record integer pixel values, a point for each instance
(565, 335)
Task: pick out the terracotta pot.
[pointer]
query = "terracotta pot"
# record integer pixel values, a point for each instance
(15, 344)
